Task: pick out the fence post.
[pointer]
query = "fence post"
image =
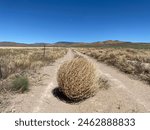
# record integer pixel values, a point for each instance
(1, 72)
(44, 50)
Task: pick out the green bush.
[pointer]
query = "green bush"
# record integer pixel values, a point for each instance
(20, 84)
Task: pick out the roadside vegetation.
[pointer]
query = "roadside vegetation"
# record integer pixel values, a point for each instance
(15, 60)
(18, 63)
(20, 84)
(131, 61)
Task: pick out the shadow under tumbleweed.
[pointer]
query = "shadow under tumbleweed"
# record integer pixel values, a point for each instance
(61, 96)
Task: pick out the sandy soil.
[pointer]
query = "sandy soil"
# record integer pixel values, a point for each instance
(124, 94)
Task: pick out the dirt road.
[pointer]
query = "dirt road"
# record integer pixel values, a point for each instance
(124, 95)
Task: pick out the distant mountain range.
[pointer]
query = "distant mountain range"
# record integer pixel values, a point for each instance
(11, 44)
(15, 44)
(108, 43)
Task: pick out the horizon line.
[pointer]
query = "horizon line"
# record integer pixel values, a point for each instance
(70, 42)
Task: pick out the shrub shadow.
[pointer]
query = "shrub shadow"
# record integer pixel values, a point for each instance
(62, 97)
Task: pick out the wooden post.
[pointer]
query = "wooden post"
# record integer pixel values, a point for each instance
(1, 72)
(44, 50)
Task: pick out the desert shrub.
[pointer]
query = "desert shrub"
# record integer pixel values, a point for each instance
(14, 60)
(77, 79)
(20, 84)
(130, 61)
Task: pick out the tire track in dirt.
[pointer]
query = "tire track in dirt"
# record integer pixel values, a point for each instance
(44, 95)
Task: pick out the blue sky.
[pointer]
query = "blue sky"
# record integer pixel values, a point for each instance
(32, 21)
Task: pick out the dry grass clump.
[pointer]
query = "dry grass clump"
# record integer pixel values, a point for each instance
(4, 95)
(18, 63)
(3, 102)
(77, 79)
(14, 60)
(130, 61)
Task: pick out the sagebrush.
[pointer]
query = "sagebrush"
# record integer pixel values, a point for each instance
(20, 84)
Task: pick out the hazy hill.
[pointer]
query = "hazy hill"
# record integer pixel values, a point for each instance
(103, 44)
(14, 44)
